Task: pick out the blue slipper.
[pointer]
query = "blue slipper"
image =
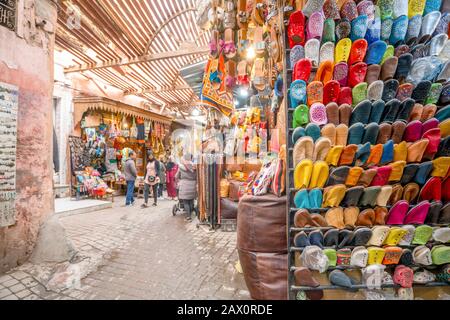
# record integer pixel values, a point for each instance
(413, 31)
(278, 88)
(315, 198)
(390, 90)
(301, 199)
(405, 109)
(313, 131)
(315, 237)
(297, 53)
(355, 133)
(373, 32)
(371, 133)
(442, 26)
(399, 29)
(408, 173)
(339, 278)
(297, 93)
(362, 154)
(359, 28)
(443, 114)
(376, 52)
(377, 111)
(388, 153)
(390, 111)
(331, 238)
(423, 172)
(297, 134)
(444, 98)
(361, 113)
(403, 66)
(386, 28)
(352, 196)
(432, 5)
(301, 240)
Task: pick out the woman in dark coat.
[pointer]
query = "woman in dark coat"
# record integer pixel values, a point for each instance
(187, 185)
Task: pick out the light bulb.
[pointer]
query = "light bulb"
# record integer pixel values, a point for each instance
(251, 53)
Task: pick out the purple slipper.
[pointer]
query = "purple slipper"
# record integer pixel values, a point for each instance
(397, 213)
(318, 114)
(418, 214)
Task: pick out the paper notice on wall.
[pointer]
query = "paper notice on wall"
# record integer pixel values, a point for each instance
(9, 101)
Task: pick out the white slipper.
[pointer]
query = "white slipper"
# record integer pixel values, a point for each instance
(312, 51)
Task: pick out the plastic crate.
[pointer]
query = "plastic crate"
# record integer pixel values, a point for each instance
(228, 225)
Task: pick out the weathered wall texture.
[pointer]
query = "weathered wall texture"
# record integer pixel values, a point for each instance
(26, 61)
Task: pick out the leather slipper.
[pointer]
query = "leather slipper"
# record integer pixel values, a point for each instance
(341, 135)
(401, 49)
(410, 192)
(319, 175)
(404, 91)
(302, 70)
(417, 214)
(422, 235)
(359, 257)
(313, 130)
(407, 257)
(413, 131)
(345, 112)
(397, 171)
(434, 138)
(333, 113)
(331, 92)
(361, 113)
(379, 234)
(362, 154)
(444, 99)
(366, 177)
(371, 132)
(380, 214)
(329, 131)
(445, 128)
(369, 197)
(302, 174)
(334, 155)
(301, 240)
(297, 134)
(431, 191)
(335, 218)
(300, 116)
(303, 277)
(429, 124)
(296, 29)
(352, 196)
(397, 193)
(409, 172)
(345, 96)
(416, 113)
(321, 149)
(373, 73)
(441, 167)
(302, 219)
(433, 213)
(409, 235)
(382, 176)
(315, 200)
(375, 52)
(325, 72)
(359, 93)
(405, 109)
(303, 149)
(400, 151)
(444, 148)
(440, 255)
(391, 110)
(390, 90)
(403, 66)
(384, 134)
(398, 129)
(377, 111)
(413, 31)
(375, 90)
(331, 238)
(301, 199)
(353, 176)
(315, 237)
(443, 114)
(416, 150)
(423, 172)
(348, 155)
(421, 91)
(397, 213)
(361, 236)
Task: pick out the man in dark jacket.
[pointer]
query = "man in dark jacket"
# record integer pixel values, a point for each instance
(130, 176)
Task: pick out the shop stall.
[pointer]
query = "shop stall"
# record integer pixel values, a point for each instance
(105, 132)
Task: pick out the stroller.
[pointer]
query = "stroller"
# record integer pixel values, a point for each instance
(179, 206)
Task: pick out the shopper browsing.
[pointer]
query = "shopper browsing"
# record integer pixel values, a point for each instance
(130, 177)
(162, 177)
(187, 184)
(151, 180)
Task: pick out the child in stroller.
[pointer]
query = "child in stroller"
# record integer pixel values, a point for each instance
(184, 205)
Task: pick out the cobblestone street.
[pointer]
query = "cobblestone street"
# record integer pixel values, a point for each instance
(133, 253)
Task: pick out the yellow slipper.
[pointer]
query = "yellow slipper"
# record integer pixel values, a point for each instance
(415, 7)
(376, 255)
(329, 131)
(397, 170)
(342, 51)
(445, 128)
(334, 155)
(302, 174)
(353, 176)
(400, 151)
(319, 175)
(440, 167)
(332, 196)
(395, 235)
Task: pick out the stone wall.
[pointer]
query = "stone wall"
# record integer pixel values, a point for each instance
(26, 61)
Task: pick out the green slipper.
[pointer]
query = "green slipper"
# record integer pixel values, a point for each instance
(332, 257)
(388, 53)
(329, 34)
(422, 235)
(359, 93)
(440, 255)
(434, 94)
(301, 116)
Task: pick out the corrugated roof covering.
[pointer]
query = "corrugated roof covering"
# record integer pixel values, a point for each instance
(139, 45)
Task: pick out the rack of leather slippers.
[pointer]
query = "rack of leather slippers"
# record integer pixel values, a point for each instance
(368, 134)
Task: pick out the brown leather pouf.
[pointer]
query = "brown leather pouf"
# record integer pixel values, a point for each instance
(261, 225)
(265, 274)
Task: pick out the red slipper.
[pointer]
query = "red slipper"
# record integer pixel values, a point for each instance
(331, 92)
(296, 29)
(357, 74)
(302, 70)
(382, 176)
(434, 138)
(445, 190)
(403, 276)
(358, 51)
(340, 73)
(345, 96)
(432, 190)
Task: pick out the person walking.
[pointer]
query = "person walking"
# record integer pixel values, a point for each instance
(171, 170)
(187, 177)
(130, 177)
(162, 178)
(151, 180)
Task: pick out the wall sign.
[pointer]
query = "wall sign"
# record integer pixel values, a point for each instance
(9, 101)
(8, 14)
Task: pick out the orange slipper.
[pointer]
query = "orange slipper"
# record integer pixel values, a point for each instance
(325, 72)
(348, 156)
(353, 177)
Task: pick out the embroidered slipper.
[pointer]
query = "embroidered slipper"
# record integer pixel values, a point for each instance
(388, 152)
(258, 13)
(403, 276)
(376, 52)
(373, 32)
(386, 8)
(296, 29)
(400, 8)
(422, 235)
(302, 174)
(397, 192)
(401, 49)
(407, 257)
(313, 131)
(409, 235)
(373, 277)
(335, 218)
(388, 68)
(403, 66)
(331, 10)
(319, 175)
(358, 51)
(345, 111)
(421, 91)
(434, 94)
(398, 129)
(359, 257)
(424, 277)
(416, 150)
(355, 134)
(397, 213)
(321, 149)
(444, 75)
(392, 255)
(377, 110)
(352, 196)
(297, 93)
(301, 240)
(314, 28)
(302, 70)
(357, 74)
(392, 107)
(325, 72)
(433, 214)
(379, 234)
(303, 149)
(414, 26)
(312, 51)
(361, 114)
(384, 134)
(318, 114)
(395, 235)
(373, 73)
(340, 73)
(441, 166)
(359, 27)
(313, 258)
(404, 92)
(442, 235)
(300, 116)
(359, 93)
(437, 44)
(444, 274)
(361, 236)
(333, 114)
(303, 277)
(399, 29)
(348, 156)
(443, 24)
(258, 75)
(409, 172)
(354, 176)
(388, 53)
(371, 133)
(415, 7)
(349, 10)
(366, 8)
(342, 51)
(343, 29)
(337, 176)
(301, 199)
(312, 6)
(375, 91)
(429, 24)
(327, 53)
(314, 91)
(329, 31)
(386, 28)
(397, 171)
(331, 92)
(444, 99)
(390, 91)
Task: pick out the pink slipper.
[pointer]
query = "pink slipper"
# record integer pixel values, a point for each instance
(382, 176)
(418, 214)
(340, 73)
(403, 276)
(318, 114)
(397, 213)
(413, 131)
(314, 29)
